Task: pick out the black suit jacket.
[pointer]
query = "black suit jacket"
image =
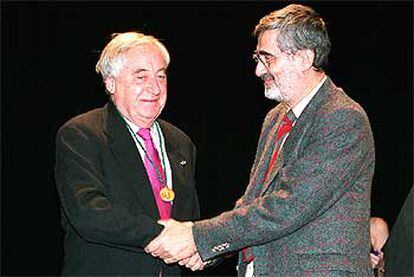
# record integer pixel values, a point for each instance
(109, 212)
(399, 247)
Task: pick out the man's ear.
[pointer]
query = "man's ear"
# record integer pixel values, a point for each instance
(304, 58)
(110, 85)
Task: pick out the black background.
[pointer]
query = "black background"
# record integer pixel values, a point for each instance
(49, 51)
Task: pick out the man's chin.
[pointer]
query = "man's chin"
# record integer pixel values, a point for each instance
(273, 95)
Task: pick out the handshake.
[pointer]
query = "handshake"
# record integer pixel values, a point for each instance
(176, 244)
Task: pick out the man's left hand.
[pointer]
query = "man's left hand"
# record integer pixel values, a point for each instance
(175, 242)
(194, 262)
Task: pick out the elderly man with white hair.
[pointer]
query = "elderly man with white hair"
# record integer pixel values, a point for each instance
(119, 169)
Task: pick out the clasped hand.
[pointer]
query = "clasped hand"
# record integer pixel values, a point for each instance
(176, 244)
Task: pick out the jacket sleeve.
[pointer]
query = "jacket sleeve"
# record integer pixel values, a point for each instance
(86, 199)
(333, 159)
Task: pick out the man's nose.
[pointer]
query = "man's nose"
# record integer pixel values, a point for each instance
(155, 86)
(260, 69)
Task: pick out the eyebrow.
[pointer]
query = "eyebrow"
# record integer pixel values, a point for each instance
(264, 53)
(164, 69)
(139, 70)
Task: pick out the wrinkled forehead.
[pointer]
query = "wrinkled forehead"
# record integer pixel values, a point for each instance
(144, 57)
(145, 53)
(145, 49)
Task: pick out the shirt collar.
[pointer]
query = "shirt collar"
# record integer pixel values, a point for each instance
(135, 128)
(299, 107)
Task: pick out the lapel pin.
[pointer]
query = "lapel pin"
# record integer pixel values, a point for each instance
(183, 163)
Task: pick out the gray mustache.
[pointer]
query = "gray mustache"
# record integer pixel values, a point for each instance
(266, 76)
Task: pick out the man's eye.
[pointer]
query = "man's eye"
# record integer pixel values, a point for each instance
(141, 78)
(268, 58)
(162, 77)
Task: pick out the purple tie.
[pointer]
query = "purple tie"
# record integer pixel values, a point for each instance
(152, 165)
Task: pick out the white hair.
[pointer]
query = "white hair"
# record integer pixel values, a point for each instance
(112, 57)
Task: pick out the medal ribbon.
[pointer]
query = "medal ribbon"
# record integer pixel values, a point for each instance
(154, 170)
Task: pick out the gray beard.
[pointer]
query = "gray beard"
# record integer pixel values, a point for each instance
(274, 94)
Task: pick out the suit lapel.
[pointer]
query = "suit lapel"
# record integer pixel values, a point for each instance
(175, 158)
(264, 152)
(304, 122)
(296, 136)
(269, 151)
(128, 159)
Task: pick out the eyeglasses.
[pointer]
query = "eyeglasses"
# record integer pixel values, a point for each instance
(264, 57)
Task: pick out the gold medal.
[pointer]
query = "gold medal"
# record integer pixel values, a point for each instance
(167, 194)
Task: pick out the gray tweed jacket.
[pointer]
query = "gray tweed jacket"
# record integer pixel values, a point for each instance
(311, 217)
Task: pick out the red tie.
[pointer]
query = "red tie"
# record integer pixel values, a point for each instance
(282, 132)
(155, 173)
